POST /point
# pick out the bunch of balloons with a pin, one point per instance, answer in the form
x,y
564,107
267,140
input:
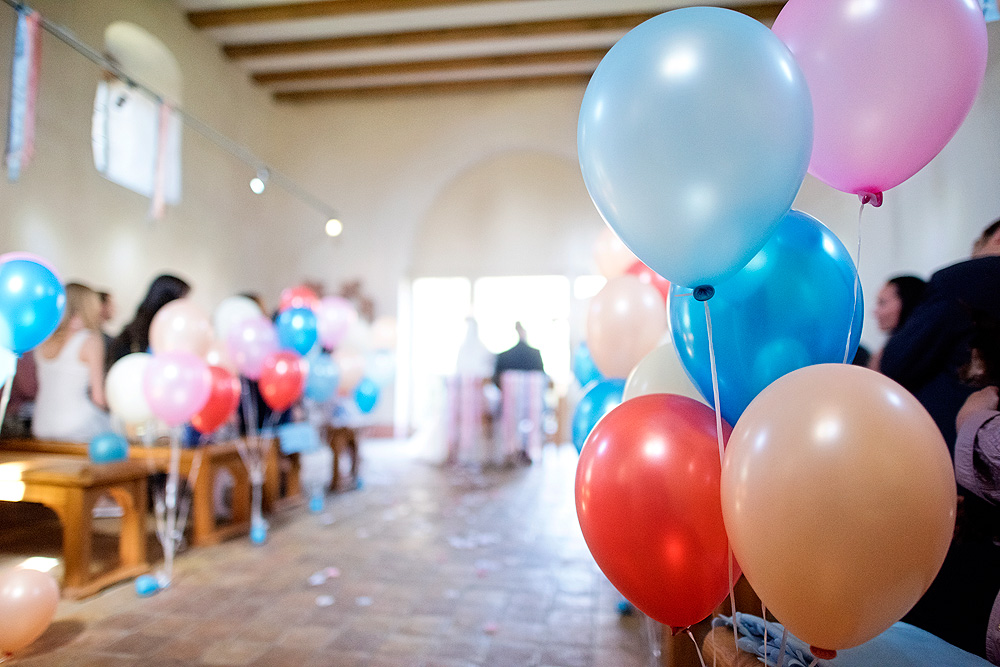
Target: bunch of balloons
x,y
694,136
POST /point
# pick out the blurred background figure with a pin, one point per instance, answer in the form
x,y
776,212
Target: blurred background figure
x,y
896,300
520,374
70,402
470,405
17,420
134,337
521,357
108,312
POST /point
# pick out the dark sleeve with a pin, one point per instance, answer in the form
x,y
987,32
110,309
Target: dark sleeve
x,y
924,345
119,346
25,384
977,455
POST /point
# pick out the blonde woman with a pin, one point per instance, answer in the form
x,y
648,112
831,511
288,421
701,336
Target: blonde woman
x,y
70,366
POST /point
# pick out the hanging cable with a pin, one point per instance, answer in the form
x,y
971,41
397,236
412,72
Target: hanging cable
x,y
236,149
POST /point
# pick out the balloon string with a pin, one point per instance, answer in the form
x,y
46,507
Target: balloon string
x,y
814,662
696,648
653,639
857,279
722,454
763,616
5,398
784,644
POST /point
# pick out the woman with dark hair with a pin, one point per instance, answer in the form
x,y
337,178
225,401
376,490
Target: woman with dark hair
x,y
135,336
896,300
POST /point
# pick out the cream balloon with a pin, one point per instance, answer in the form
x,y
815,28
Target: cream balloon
x,y
28,601
660,372
383,333
123,389
839,499
351,364
613,257
232,311
625,321
180,326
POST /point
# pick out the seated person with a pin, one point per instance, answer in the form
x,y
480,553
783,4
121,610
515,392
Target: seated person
x,y
70,372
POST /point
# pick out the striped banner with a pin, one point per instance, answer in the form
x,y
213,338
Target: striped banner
x,y
522,405
466,411
23,93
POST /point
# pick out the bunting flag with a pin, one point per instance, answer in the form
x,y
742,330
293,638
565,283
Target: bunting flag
x,y
23,92
158,204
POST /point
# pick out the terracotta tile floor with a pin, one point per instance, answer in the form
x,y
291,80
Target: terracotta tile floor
x,y
436,567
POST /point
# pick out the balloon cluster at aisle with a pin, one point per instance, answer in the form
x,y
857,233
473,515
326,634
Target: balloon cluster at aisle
x,y
695,134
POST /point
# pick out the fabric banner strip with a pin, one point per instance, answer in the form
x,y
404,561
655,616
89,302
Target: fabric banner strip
x,y
158,205
23,93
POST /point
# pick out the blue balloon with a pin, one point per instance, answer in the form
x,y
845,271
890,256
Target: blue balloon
x,y
146,585
258,533
597,402
584,369
366,395
792,306
297,329
694,136
107,447
32,301
323,378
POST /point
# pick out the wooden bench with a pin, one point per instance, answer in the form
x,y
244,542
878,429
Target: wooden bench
x,y
70,486
206,529
343,440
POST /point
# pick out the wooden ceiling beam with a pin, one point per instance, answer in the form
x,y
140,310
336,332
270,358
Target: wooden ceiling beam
x,y
219,18
551,28
582,56
436,88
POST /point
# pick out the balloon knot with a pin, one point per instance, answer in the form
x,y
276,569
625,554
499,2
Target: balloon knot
x,y
704,292
823,653
873,198
674,631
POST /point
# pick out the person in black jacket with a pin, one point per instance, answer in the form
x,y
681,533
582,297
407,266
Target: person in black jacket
x,y
926,353
521,357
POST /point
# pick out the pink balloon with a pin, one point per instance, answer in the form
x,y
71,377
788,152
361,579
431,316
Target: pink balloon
x,y
177,385
334,317
249,343
891,81
180,325
28,600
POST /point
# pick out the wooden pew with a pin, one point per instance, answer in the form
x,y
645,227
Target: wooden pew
x,y
70,486
343,440
205,528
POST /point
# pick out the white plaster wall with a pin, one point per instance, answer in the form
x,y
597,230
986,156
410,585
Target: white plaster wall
x,y
98,232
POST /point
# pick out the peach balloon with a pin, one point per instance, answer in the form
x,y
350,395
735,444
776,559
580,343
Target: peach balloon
x,y
612,256
625,321
181,325
839,499
351,364
28,600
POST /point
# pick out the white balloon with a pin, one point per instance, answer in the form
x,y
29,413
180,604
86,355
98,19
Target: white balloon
x,y
660,372
124,391
231,312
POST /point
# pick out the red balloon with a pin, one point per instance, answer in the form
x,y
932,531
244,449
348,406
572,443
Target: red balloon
x,y
648,501
650,277
223,398
282,379
298,297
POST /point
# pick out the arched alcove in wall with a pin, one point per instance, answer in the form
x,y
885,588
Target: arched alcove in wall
x,y
516,213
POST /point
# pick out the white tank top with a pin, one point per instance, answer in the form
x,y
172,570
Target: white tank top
x,y
63,409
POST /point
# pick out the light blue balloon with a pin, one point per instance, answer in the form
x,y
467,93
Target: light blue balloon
x,y
297,329
146,585
32,301
258,533
694,136
584,369
366,395
323,378
597,402
107,447
792,306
